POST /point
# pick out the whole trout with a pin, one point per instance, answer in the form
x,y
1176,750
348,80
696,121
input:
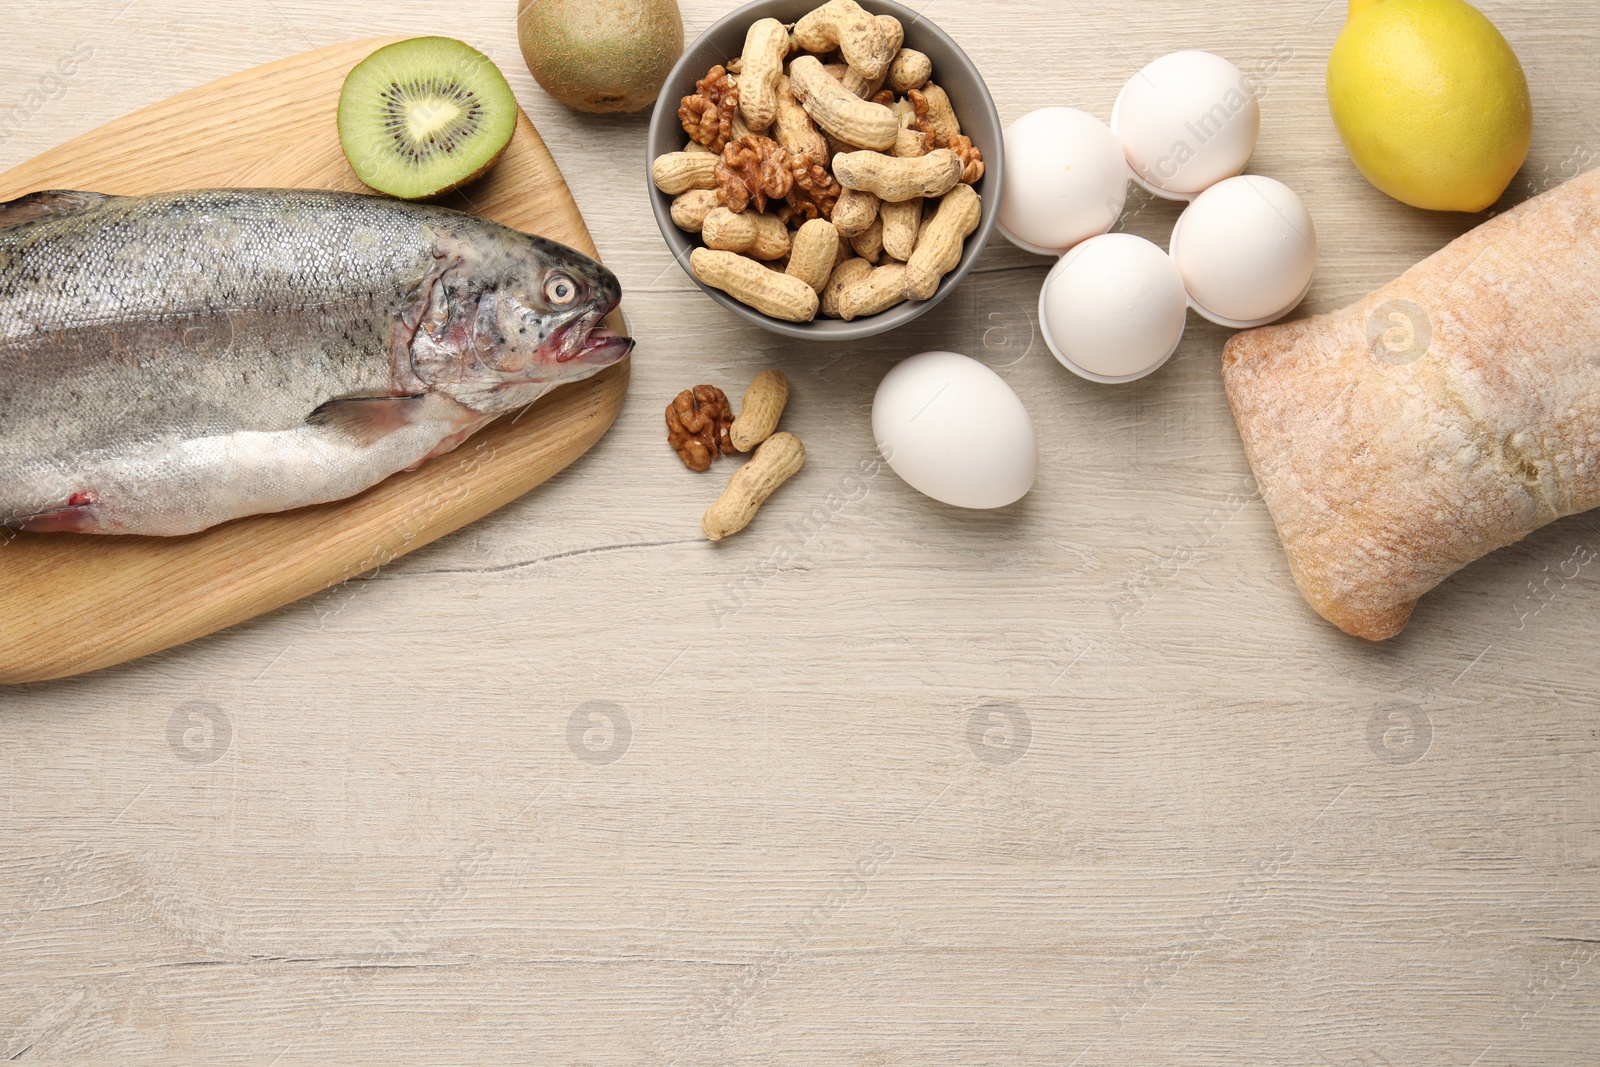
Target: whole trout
x,y
171,362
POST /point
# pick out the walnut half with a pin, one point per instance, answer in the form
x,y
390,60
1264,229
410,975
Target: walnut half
x,y
707,116
698,426
971,158
753,168
814,192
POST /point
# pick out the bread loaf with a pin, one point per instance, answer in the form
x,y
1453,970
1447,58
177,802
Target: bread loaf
x,y
1450,413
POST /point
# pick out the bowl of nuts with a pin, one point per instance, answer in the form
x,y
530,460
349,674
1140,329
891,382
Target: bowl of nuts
x,y
826,172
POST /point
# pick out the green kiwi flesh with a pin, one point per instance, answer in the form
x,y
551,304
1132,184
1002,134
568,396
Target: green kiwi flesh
x,y
421,117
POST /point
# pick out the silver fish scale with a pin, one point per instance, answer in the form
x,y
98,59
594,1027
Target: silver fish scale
x,y
174,361
213,250
274,306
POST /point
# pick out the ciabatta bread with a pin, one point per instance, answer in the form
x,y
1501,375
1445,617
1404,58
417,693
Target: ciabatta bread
x,y
1450,413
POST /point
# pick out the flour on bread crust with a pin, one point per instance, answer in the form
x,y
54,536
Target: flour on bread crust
x,y
1450,413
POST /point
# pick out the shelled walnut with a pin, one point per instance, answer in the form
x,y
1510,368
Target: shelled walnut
x,y
971,158
707,116
753,169
814,193
699,422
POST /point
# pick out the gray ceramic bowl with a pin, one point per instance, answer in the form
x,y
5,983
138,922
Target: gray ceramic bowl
x,y
952,70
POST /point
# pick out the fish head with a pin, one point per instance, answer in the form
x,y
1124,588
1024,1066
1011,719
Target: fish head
x,y
504,317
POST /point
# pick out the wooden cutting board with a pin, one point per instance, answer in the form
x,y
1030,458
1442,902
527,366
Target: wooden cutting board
x,y
71,603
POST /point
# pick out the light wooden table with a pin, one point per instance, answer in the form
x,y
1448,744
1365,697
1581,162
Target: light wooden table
x,y
1080,782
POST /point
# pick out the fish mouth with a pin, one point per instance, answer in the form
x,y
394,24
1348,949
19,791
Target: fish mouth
x,y
603,348
586,341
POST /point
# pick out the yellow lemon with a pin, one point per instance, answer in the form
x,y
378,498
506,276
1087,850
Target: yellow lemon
x,y
1430,102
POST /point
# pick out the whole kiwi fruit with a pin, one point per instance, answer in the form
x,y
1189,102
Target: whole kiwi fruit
x,y
600,55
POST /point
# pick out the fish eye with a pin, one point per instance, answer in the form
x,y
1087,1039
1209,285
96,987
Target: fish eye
x,y
560,289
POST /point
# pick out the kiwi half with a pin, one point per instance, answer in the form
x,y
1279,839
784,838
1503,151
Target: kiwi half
x,y
422,117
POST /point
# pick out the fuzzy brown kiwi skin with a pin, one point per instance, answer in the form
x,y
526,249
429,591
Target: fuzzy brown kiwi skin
x,y
600,56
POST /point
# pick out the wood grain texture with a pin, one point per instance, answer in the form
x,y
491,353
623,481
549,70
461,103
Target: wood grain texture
x,y
378,824
74,604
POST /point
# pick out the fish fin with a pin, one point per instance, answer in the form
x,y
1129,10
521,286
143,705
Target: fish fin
x,y
47,204
64,520
367,420
79,514
451,443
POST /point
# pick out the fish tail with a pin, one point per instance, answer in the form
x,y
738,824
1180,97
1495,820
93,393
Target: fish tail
x,y
51,203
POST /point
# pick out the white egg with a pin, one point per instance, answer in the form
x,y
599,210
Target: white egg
x,y
1187,121
1066,180
955,431
1113,309
1246,249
